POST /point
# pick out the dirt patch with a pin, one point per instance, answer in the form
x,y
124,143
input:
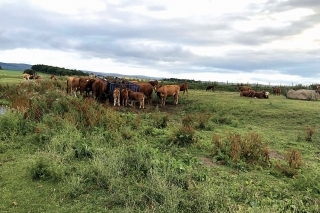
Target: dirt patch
x,y
275,155
168,108
207,161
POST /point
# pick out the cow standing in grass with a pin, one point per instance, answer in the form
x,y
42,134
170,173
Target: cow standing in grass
x,y
276,90
184,87
124,96
116,96
168,90
136,96
210,87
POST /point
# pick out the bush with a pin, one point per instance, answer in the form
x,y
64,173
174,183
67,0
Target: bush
x,y
235,149
47,170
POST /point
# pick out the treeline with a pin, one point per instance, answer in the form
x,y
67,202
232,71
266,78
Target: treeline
x,y
180,80
54,70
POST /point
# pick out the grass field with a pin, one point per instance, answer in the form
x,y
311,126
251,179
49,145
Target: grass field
x,y
213,152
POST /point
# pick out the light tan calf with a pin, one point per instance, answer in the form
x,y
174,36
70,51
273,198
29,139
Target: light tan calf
x,y
138,96
116,96
26,76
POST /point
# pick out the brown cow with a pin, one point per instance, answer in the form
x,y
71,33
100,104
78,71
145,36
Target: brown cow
x,y
261,94
124,96
26,76
85,85
249,93
116,96
146,89
99,87
69,84
168,90
184,87
138,96
244,88
276,90
75,85
210,87
53,77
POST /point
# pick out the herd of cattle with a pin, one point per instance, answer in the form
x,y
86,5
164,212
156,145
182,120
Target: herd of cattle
x,y
247,91
123,91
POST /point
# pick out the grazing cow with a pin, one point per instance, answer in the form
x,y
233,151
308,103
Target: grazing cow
x,y
138,96
116,96
244,88
276,90
210,87
168,90
261,94
124,96
53,77
249,93
26,76
184,87
99,88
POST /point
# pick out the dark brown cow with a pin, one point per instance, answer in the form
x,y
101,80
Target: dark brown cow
x,y
276,90
249,93
210,87
85,85
244,88
184,87
124,96
261,94
168,90
99,88
136,96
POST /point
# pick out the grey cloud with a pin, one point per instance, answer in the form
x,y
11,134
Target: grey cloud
x,y
117,34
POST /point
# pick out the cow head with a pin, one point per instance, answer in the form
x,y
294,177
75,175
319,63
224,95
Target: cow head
x,y
157,87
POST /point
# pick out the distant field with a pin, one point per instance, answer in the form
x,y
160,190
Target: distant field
x,y
13,77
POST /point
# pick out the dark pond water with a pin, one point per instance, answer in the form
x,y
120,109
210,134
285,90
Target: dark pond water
x,y
3,109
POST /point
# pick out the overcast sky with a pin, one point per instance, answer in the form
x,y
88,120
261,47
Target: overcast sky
x,y
238,41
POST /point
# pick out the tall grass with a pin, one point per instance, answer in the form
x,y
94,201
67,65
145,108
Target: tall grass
x,y
226,153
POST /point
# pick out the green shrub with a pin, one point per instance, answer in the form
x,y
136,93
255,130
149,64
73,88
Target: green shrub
x,y
47,170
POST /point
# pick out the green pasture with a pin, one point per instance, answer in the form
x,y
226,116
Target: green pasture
x,y
213,152
14,77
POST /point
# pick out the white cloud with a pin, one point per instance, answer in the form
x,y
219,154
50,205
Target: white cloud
x,y
240,41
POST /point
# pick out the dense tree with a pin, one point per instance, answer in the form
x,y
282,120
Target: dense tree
x,y
29,71
0,67
57,70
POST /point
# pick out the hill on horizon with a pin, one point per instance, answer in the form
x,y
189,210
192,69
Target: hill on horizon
x,y
15,66
22,67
